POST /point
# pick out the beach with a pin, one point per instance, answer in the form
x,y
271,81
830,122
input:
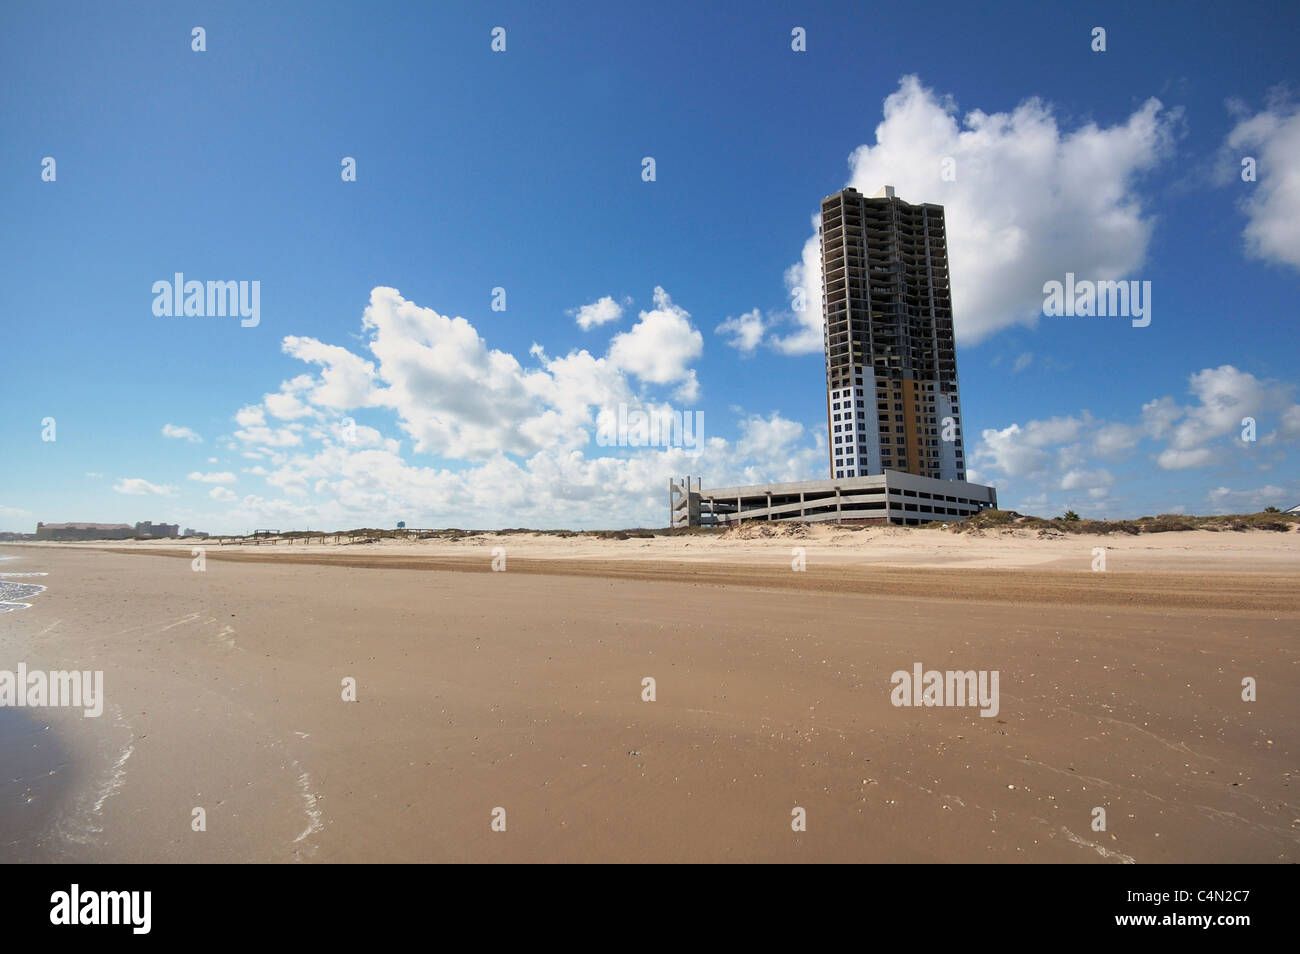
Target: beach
x,y
516,698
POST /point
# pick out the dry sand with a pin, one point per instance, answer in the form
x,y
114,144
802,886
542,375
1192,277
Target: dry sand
x,y
523,690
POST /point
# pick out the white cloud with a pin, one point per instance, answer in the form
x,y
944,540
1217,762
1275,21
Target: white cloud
x,y
598,312
1090,480
225,477
1022,361
221,494
661,346
1272,205
286,407
473,406
346,381
1008,450
138,486
181,433
767,438
1173,459
1226,396
269,437
250,416
1030,201
93,474
1228,500
1043,459
15,516
1114,440
746,331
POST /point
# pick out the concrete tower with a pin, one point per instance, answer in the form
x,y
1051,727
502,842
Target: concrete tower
x,y
891,368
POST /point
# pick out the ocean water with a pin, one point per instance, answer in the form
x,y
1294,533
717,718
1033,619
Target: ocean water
x,y
14,593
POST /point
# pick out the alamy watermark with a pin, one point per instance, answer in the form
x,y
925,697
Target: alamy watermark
x,y
948,688
128,908
179,298
39,689
657,427
1085,299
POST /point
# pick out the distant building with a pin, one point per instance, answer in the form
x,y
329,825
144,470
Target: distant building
x,y
84,531
1295,509
148,529
104,531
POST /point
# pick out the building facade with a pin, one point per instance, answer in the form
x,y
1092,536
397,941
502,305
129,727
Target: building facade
x,y
891,497
84,531
104,531
892,401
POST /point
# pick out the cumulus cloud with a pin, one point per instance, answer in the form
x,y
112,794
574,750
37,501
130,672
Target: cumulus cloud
x,y
1173,459
1272,206
1064,455
661,346
1030,200
138,486
501,441
744,331
1087,480
270,436
250,416
286,406
599,312
1225,397
346,380
1252,500
181,433
224,477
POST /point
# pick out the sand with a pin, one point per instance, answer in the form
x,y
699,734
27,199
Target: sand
x,y
522,690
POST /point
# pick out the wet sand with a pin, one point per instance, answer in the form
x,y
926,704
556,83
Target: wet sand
x,y
523,690
33,783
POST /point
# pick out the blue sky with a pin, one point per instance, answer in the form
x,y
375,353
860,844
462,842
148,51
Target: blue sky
x,y
522,170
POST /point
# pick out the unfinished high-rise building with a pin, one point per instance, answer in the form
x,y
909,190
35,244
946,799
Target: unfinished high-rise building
x,y
891,367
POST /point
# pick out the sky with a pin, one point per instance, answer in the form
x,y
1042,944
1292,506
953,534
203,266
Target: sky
x,y
465,264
